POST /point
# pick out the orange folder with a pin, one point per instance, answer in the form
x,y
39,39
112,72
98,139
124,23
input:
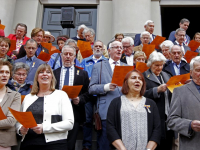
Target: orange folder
x,y
193,45
177,81
120,73
2,115
72,91
79,67
189,55
142,67
25,118
47,45
157,41
2,27
54,51
22,98
85,48
44,56
13,45
148,49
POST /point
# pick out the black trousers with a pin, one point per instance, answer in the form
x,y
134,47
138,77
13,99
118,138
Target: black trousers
x,y
72,135
166,144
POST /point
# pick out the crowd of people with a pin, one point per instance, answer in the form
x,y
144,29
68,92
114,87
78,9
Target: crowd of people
x,y
142,114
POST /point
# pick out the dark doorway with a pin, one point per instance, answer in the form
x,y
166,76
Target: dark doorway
x,y
171,17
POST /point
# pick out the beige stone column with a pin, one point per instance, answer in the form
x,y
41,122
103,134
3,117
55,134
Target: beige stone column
x,y
7,9
129,16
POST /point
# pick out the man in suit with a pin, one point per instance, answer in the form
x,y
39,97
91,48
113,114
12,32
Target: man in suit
x,y
145,38
180,35
176,66
184,110
127,56
148,26
30,59
36,34
184,24
79,35
70,75
100,85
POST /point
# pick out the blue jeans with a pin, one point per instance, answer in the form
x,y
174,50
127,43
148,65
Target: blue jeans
x,y
88,125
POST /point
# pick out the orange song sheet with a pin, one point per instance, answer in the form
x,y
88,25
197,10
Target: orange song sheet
x,y
142,67
85,48
13,45
157,41
44,56
177,81
120,73
72,91
148,49
2,27
25,118
189,55
47,45
54,51
193,45
2,115
22,98
79,67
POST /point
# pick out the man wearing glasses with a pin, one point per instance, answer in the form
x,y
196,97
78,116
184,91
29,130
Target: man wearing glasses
x,y
100,85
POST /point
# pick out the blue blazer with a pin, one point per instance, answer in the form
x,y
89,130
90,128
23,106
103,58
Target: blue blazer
x,y
173,39
23,90
33,68
137,40
96,87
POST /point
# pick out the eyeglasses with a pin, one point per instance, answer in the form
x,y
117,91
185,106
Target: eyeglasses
x,y
117,47
18,74
33,48
181,35
125,47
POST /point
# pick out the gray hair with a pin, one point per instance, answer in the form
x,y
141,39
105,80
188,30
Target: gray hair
x,y
178,30
175,46
195,59
30,41
88,30
20,65
81,26
68,46
167,43
70,41
99,41
155,56
184,20
111,44
147,22
128,39
145,33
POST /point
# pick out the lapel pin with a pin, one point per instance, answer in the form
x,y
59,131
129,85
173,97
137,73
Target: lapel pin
x,y
33,64
147,107
77,72
148,76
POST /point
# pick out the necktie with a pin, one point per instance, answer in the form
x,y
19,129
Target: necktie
x,y
185,41
66,82
29,61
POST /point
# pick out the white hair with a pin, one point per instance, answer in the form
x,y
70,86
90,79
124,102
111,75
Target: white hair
x,y
128,39
195,59
88,30
155,56
68,46
111,44
147,22
81,26
145,33
175,46
70,41
167,43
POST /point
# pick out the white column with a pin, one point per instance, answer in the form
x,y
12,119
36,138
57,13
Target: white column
x,y
129,16
7,9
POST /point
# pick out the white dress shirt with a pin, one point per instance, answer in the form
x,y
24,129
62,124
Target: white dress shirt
x,y
112,63
129,60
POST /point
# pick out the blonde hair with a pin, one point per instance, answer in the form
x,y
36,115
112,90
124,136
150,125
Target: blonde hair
x,y
36,87
35,32
138,54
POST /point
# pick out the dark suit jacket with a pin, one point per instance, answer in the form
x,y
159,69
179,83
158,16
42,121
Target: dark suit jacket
x,y
33,68
186,48
168,68
151,91
137,40
76,39
114,121
80,78
11,99
22,52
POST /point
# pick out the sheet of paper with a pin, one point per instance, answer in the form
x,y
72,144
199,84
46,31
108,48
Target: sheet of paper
x,y
85,48
142,67
47,45
25,118
120,73
44,56
157,41
193,45
54,51
72,91
189,55
2,27
2,115
79,67
13,45
148,49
